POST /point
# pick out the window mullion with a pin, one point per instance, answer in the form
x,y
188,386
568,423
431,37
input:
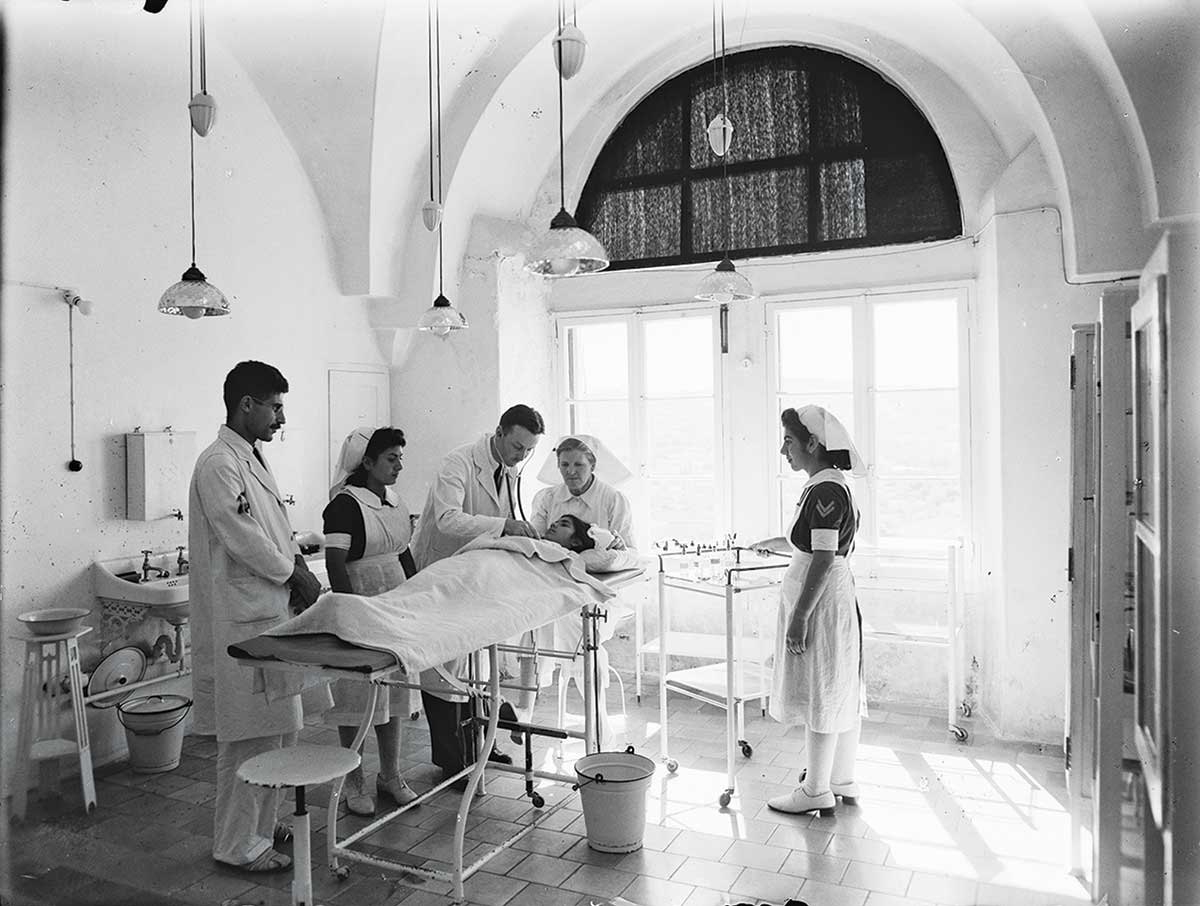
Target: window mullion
x,y
864,411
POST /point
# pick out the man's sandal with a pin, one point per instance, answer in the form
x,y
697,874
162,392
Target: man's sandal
x,y
269,861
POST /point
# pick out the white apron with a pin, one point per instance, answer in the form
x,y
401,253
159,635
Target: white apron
x,y
388,532
821,689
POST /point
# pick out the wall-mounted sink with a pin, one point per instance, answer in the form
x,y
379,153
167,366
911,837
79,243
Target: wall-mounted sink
x,y
123,579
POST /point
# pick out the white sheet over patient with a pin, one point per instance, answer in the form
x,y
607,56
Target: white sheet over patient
x,y
491,590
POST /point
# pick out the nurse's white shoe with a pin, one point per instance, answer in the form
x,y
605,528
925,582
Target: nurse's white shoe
x,y
847,792
798,802
358,800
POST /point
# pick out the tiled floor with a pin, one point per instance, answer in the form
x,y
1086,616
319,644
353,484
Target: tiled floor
x,y
938,823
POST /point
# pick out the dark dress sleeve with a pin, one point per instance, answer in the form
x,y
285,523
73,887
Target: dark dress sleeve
x,y
344,527
826,506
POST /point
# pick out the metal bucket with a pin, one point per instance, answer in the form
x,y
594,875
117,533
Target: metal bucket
x,y
613,787
154,731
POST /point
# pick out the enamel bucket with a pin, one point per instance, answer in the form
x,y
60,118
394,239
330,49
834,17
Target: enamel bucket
x,y
154,730
613,787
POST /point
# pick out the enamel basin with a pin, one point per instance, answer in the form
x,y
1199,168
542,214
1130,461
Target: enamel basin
x,y
120,579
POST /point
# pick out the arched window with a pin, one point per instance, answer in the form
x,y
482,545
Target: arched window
x,y
826,154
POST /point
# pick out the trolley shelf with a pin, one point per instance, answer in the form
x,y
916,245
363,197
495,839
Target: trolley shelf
x,y
707,683
707,645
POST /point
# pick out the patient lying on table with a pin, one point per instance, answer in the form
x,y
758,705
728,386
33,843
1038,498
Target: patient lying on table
x,y
593,544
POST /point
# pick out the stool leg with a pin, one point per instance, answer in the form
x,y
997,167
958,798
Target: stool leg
x,y
301,854
30,694
83,740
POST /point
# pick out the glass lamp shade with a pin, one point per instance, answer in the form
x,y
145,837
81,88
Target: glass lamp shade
x,y
431,214
203,110
725,284
720,134
566,250
441,318
193,297
569,47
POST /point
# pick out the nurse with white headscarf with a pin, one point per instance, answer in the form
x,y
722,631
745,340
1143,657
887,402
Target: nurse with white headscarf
x,y
367,535
817,680
576,489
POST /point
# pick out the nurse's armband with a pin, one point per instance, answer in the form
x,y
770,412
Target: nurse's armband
x,y
825,539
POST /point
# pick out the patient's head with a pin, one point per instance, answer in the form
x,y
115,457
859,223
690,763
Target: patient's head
x,y
571,532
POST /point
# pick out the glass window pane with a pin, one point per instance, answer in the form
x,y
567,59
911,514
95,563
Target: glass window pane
x,y
597,361
607,421
1145,408
683,508
768,106
770,208
1146,647
917,433
679,357
916,344
843,200
637,223
919,508
816,352
680,439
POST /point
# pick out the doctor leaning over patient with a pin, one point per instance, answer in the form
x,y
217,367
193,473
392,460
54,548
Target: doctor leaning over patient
x,y
476,492
245,568
817,679
367,531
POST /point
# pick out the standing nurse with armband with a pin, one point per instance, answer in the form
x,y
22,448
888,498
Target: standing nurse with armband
x,y
818,678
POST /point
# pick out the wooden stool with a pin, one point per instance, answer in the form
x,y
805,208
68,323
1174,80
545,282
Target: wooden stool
x,y
297,766
41,690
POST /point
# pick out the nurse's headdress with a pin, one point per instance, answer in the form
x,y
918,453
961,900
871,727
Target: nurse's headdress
x,y
831,434
353,448
605,464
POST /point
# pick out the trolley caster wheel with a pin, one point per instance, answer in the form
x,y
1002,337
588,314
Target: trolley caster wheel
x,y
342,872
91,808
747,749
672,765
537,800
725,799
959,733
965,708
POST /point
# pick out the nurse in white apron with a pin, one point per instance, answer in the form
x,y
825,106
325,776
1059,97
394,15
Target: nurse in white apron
x,y
817,679
367,533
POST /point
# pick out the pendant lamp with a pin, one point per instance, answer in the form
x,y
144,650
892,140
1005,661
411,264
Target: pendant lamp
x,y
724,284
565,249
193,296
441,318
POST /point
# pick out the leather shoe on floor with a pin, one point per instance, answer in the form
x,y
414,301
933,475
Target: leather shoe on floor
x,y
499,757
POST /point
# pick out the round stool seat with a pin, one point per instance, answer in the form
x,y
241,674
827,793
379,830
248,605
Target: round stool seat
x,y
298,766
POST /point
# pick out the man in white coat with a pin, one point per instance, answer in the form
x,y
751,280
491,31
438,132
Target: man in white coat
x,y
244,568
477,492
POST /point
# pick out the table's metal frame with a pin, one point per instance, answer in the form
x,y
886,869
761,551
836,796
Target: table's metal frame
x,y
338,850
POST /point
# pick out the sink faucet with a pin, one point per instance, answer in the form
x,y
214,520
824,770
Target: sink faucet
x,y
181,563
147,569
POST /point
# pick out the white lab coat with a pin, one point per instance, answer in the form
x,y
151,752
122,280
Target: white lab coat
x,y
240,562
463,503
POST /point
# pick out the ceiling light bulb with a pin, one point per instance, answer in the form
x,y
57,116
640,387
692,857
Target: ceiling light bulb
x,y
569,47
720,134
203,110
195,312
431,214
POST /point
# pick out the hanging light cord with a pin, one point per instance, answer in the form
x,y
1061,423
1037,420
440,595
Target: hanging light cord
x,y
191,131
562,179
71,370
437,43
725,156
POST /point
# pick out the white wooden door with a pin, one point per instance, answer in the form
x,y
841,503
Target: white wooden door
x,y
359,397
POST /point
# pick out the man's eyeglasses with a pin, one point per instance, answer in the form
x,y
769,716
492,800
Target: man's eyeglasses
x,y
277,407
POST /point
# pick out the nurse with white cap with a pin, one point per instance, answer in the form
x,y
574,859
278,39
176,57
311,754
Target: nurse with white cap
x,y
817,680
576,489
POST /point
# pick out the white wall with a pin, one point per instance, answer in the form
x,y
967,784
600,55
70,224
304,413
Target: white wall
x,y
96,197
